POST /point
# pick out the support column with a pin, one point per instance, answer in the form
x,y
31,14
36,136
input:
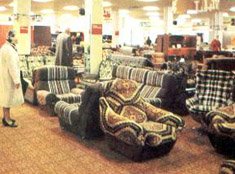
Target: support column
x,y
93,37
216,24
22,25
115,21
168,19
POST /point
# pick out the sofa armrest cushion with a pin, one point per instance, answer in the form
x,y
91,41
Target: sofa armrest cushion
x,y
46,98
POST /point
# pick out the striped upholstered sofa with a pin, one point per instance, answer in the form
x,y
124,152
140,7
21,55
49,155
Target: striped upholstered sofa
x,y
54,83
134,127
162,89
214,89
82,118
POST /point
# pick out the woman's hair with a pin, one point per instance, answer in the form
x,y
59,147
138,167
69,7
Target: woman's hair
x,y
10,35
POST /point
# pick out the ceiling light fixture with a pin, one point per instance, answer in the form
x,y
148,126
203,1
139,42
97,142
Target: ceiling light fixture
x,y
191,12
107,4
153,14
150,8
232,9
71,8
43,1
3,8
11,4
47,11
148,0
225,14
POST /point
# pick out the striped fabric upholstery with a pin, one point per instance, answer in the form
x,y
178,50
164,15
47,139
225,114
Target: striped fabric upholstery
x,y
214,89
150,91
123,72
58,82
70,97
155,78
67,112
59,86
139,75
158,87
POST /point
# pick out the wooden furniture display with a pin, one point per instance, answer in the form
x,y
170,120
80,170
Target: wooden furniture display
x,y
179,45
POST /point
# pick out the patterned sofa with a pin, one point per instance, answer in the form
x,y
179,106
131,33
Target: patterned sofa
x,y
228,167
221,129
162,89
134,127
54,83
82,118
214,89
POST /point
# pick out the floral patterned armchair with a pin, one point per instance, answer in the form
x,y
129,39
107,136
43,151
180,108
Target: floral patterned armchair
x,y
134,127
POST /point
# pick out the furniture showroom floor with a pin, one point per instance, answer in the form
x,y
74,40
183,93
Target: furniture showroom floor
x,y
38,145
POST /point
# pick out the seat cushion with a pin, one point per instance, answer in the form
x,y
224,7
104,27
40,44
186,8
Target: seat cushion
x,y
69,98
158,133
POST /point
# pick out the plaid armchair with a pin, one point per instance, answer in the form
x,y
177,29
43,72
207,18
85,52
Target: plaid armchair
x,y
134,127
54,83
214,89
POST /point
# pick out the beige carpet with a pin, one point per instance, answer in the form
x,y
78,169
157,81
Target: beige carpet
x,y
38,145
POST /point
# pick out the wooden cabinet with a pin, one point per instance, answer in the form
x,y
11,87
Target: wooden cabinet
x,y
179,45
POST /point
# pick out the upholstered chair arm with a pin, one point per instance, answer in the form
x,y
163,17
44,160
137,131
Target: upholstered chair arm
x,y
162,116
118,126
220,123
46,98
77,91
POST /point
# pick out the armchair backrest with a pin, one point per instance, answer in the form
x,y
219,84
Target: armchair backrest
x,y
214,87
55,79
123,98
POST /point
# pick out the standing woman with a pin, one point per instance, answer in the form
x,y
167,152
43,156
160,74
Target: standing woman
x,y
10,85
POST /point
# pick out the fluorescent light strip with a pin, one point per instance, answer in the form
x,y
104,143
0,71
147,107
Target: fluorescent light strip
x,y
150,8
43,1
107,4
71,8
3,8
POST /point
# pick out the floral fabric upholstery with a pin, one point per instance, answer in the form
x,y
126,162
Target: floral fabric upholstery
x,y
59,84
214,89
127,117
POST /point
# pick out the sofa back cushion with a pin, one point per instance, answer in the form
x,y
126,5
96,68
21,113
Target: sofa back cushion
x,y
138,75
56,79
214,87
123,72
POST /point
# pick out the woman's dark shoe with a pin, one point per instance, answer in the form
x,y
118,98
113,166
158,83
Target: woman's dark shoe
x,y
9,123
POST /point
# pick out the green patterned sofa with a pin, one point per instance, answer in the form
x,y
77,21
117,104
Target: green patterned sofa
x,y
160,88
134,127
